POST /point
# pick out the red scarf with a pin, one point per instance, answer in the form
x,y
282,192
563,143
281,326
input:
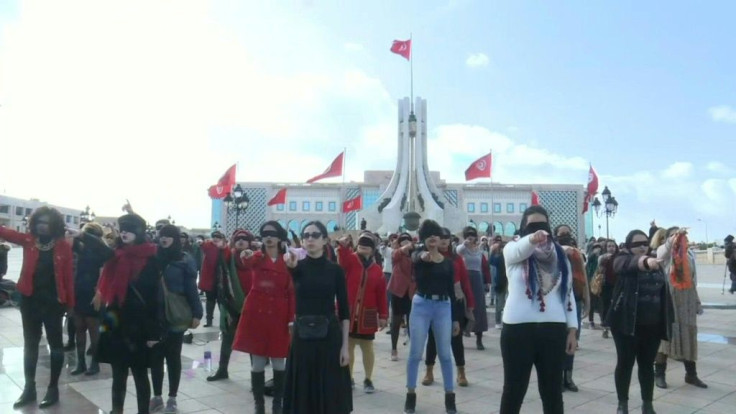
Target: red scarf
x,y
122,269
680,273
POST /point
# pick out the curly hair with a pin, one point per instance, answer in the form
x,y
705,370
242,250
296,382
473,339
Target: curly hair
x,y
57,228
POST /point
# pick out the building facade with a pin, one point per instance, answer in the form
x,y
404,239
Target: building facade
x,y
14,210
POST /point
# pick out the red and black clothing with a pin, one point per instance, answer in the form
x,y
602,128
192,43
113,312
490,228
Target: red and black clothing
x,y
366,293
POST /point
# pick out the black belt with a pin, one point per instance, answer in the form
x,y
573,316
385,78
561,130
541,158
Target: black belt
x,y
434,297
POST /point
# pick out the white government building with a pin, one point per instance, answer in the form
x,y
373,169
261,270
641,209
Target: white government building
x,y
412,187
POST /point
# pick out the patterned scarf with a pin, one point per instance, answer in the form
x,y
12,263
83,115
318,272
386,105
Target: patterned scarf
x,y
680,273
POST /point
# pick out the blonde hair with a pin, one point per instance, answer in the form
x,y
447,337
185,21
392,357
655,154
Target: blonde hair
x,y
658,238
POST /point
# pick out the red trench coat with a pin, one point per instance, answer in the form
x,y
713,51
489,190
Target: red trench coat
x,y
263,328
365,310
402,280
209,263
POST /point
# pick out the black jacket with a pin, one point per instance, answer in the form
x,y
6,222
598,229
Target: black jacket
x,y
624,300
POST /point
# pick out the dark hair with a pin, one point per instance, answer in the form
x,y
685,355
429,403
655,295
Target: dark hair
x,y
447,233
605,244
57,228
469,231
320,226
283,235
429,228
630,237
528,212
558,227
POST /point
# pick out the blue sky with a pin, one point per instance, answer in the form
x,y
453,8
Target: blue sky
x,y
642,90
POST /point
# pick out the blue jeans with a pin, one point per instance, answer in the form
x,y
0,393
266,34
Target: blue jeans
x,y
426,313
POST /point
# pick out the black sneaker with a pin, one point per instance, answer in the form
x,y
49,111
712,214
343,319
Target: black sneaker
x,y
410,404
368,387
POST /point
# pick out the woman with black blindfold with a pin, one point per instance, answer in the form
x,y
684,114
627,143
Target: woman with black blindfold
x,y
263,328
401,287
540,322
639,317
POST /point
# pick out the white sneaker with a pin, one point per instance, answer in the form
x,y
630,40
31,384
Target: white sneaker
x,y
156,404
171,407
499,326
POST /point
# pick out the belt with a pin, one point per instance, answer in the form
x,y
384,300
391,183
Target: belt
x,y
434,297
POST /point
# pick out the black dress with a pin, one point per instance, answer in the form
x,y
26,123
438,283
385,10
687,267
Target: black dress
x,y
315,382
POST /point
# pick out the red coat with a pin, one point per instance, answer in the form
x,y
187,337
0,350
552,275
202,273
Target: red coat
x,y
402,277
370,306
461,276
63,265
210,252
263,328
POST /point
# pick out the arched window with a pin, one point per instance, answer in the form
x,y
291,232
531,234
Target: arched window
x,y
483,227
472,224
510,229
304,224
282,223
498,228
331,226
294,226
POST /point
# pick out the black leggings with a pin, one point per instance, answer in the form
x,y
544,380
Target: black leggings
x,y
533,344
119,382
642,349
211,296
169,349
400,307
35,318
458,350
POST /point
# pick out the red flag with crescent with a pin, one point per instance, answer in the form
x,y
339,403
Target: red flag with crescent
x,y
334,170
224,185
535,198
402,47
480,168
354,204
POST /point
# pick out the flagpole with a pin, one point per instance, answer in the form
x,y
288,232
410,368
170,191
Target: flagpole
x,y
411,72
493,224
341,218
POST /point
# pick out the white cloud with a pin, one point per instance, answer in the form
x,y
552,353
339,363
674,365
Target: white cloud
x,y
477,60
718,167
678,170
723,113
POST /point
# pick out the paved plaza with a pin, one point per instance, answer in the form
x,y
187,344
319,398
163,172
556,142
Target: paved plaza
x,y
594,365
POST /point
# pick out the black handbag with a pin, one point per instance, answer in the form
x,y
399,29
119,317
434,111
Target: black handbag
x,y
312,326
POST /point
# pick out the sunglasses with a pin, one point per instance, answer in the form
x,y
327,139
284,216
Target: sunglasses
x,y
639,244
314,235
241,238
270,233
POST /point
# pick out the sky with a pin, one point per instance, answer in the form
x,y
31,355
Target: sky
x,y
152,101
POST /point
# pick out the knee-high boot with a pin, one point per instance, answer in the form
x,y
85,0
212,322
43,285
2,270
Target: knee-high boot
x,y
278,391
258,380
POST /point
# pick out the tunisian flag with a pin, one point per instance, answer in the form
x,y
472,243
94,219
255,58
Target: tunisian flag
x,y
334,170
480,168
354,204
224,184
279,198
402,47
535,198
592,188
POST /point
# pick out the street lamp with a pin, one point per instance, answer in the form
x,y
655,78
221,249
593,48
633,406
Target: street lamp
x,y
216,227
25,224
236,200
706,231
86,216
609,204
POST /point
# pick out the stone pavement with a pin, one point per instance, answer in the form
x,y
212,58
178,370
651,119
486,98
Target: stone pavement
x,y
594,366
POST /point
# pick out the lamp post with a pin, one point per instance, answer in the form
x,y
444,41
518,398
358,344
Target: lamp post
x,y
25,224
236,200
86,216
706,232
610,206
216,227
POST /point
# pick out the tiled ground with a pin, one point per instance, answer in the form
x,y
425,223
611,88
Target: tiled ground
x,y
594,366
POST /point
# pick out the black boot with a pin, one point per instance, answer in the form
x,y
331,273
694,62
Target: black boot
x,y
208,324
647,407
278,391
220,374
258,380
450,403
479,342
70,346
51,397
94,367
28,396
691,375
623,407
81,363
659,375
410,405
567,381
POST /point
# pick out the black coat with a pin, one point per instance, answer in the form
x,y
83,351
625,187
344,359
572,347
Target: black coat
x,y
91,253
126,328
624,300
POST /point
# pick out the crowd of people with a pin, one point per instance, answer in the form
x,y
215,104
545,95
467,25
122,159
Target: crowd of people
x,y
302,304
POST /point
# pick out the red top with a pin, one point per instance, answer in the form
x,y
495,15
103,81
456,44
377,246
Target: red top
x,y
263,328
210,252
63,264
370,306
402,277
461,276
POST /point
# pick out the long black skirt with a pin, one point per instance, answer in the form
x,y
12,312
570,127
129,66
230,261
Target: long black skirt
x,y
315,382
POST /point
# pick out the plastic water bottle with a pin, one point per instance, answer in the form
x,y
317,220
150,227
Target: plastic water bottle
x,y
208,359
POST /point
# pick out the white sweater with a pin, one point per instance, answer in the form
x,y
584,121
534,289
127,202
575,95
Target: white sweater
x,y
519,308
